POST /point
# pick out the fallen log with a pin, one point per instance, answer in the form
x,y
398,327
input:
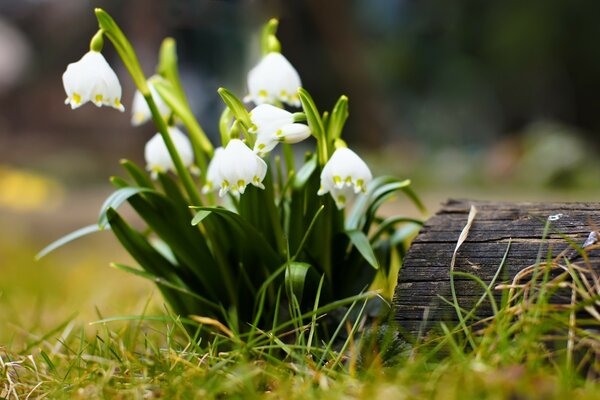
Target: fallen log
x,y
503,240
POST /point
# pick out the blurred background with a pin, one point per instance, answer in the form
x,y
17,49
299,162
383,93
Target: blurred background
x,y
472,99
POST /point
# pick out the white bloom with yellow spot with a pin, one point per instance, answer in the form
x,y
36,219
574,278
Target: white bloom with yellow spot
x,y
92,79
157,155
237,166
140,112
273,125
344,176
274,79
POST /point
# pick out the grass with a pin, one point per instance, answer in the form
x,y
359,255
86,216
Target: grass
x,y
531,349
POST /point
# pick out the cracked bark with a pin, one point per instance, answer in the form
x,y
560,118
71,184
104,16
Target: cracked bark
x,y
424,280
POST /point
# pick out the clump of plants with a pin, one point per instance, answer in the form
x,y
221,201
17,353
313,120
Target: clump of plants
x,y
244,234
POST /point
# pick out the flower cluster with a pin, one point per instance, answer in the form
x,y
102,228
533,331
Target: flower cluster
x,y
271,83
276,224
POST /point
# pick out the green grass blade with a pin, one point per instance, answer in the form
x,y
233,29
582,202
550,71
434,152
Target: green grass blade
x,y
86,230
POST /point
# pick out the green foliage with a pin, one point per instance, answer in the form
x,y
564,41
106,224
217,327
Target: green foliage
x,y
274,253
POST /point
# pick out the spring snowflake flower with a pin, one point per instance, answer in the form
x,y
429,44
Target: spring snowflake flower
x,y
344,176
140,112
273,125
92,79
237,166
157,155
274,79
212,173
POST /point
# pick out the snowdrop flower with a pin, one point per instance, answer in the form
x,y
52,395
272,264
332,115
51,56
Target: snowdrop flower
x,y
237,166
273,79
273,125
212,173
344,176
92,79
157,155
140,112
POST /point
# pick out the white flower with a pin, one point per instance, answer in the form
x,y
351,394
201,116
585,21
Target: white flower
x,y
273,79
140,112
157,155
273,125
237,167
344,176
92,79
212,174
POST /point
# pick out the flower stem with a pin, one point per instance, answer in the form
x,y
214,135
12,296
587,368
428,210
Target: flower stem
x,y
182,171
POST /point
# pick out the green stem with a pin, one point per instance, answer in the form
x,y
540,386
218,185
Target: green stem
x,y
182,171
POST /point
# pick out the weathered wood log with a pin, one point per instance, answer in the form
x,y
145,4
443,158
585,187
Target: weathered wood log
x,y
425,275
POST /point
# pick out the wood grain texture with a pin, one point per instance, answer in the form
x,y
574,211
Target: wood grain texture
x,y
425,275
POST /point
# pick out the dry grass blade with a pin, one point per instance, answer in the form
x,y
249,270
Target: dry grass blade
x,y
214,323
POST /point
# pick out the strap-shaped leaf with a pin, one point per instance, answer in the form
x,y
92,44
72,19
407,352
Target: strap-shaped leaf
x,y
236,106
117,198
199,217
86,230
150,259
388,223
296,274
312,115
163,282
249,237
305,172
377,189
169,93
137,174
337,119
362,244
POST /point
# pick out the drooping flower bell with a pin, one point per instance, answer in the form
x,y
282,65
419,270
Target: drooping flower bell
x,y
274,79
157,155
273,125
92,79
344,176
140,112
237,166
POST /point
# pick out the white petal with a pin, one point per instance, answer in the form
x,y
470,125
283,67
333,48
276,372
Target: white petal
x,y
92,79
239,166
213,178
157,155
344,176
140,112
293,133
274,79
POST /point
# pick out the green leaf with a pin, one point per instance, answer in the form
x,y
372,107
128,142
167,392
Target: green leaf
x,y
246,231
200,215
86,230
149,258
295,279
161,281
117,198
390,222
179,105
137,174
167,64
378,190
361,242
316,125
338,118
236,106
312,114
305,172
